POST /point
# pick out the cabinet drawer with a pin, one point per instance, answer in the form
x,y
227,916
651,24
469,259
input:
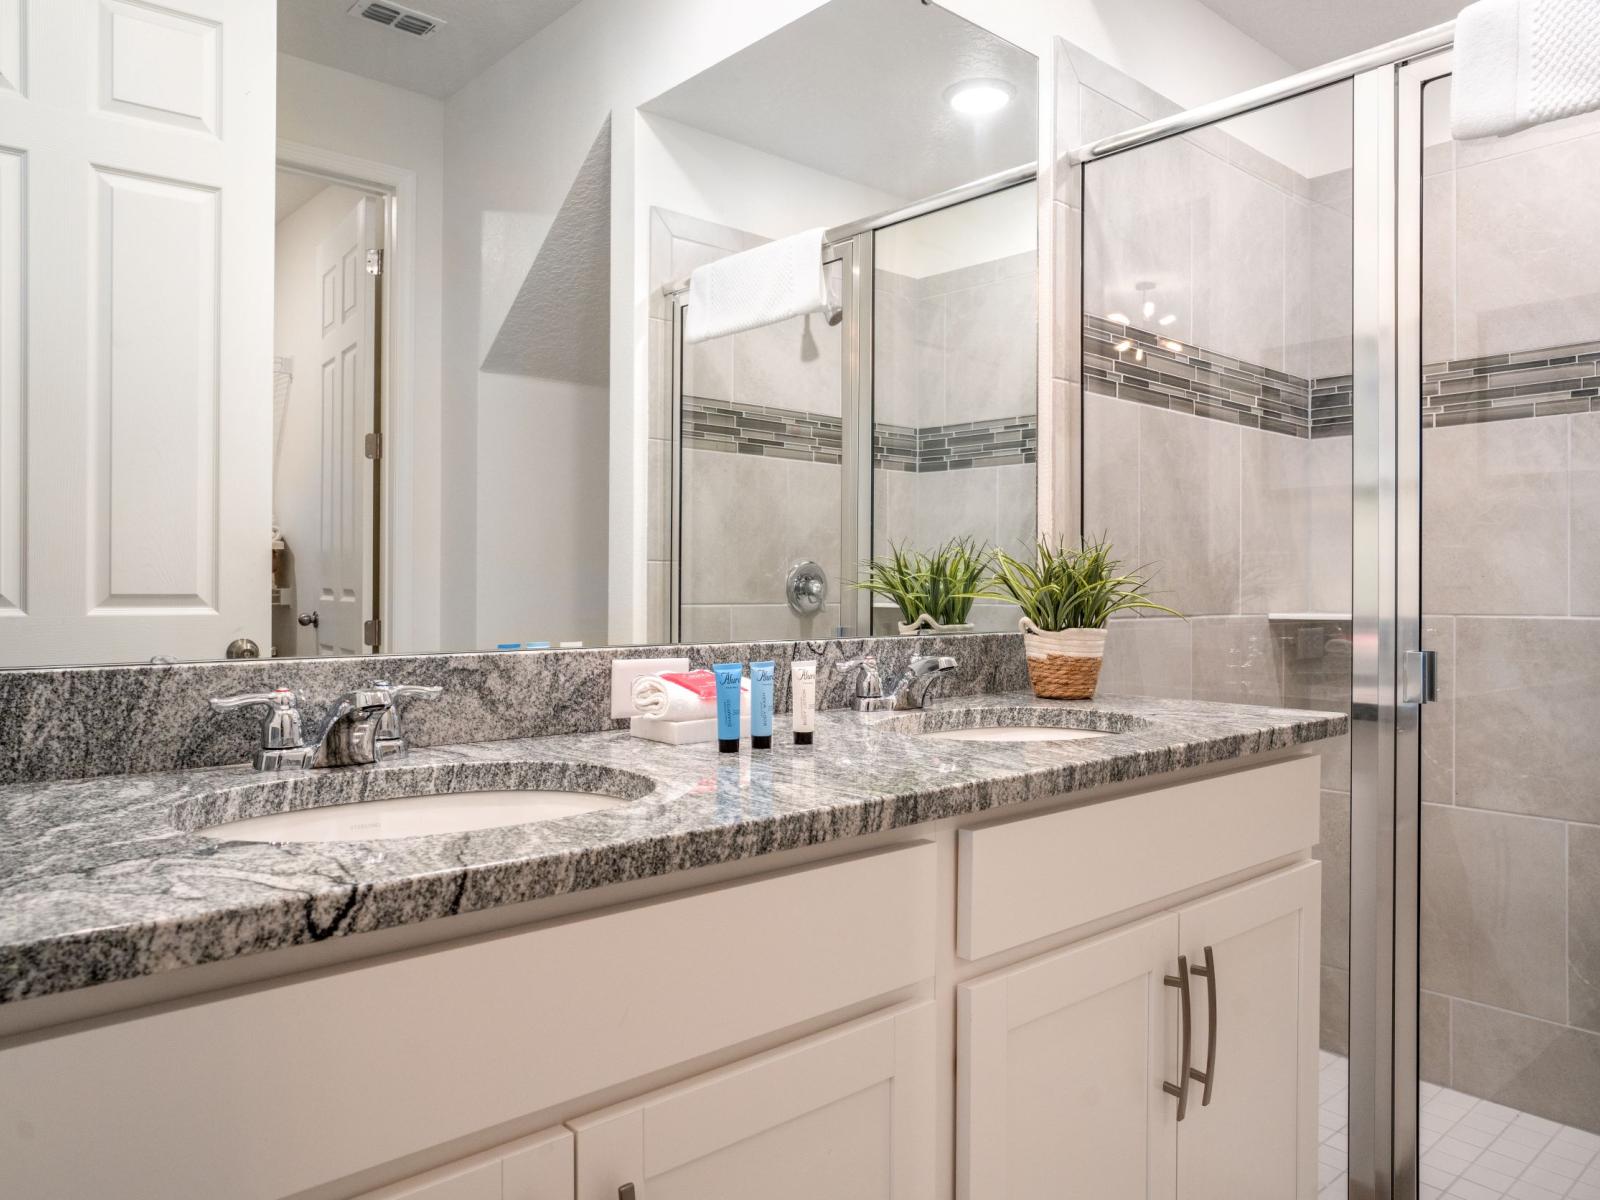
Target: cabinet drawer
x,y
388,1059
1030,877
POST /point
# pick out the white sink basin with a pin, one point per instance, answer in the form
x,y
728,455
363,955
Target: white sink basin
x,y
1014,733
410,816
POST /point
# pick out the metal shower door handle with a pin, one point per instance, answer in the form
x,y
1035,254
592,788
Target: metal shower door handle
x,y
1185,1042
1209,1075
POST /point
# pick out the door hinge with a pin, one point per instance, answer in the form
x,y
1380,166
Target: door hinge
x,y
1420,684
372,632
374,445
374,262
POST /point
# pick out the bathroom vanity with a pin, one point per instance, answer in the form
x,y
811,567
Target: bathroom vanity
x,y
998,948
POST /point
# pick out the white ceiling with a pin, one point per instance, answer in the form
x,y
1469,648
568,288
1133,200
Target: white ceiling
x,y
1309,33
856,88
476,34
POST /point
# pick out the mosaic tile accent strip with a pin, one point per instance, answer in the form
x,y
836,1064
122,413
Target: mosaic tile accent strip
x,y
810,437
1191,379
995,443
769,432
1332,398
1533,383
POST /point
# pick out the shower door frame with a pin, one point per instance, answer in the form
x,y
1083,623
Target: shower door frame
x,y
1387,685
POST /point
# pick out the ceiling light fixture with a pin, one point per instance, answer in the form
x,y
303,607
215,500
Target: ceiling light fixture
x,y
1117,318
979,97
1167,320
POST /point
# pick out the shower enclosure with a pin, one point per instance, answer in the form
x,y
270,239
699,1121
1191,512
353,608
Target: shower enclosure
x,y
796,450
1337,374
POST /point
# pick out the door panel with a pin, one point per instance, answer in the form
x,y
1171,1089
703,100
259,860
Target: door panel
x,y
846,1114
135,338
344,585
1257,1136
1060,1067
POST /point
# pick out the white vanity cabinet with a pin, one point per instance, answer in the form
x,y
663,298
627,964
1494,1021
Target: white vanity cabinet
x,y
1066,1062
981,1007
847,1114
533,1168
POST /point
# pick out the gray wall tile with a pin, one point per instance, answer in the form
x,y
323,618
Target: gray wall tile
x,y
1526,694
1275,511
1439,718
1147,656
1494,909
1552,1071
1583,926
991,364
1334,1015
1585,527
1495,518
1333,849
1234,659
1189,510
1111,473
1435,1038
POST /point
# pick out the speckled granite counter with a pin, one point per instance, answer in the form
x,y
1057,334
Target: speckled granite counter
x,y
101,879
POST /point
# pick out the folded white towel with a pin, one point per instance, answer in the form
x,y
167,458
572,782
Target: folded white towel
x,y
1520,63
763,286
667,700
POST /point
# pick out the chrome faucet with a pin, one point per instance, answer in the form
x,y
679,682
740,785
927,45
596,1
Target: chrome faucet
x,y
907,690
363,727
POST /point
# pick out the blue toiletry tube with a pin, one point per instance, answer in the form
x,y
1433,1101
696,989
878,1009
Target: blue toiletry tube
x,y
730,678
761,706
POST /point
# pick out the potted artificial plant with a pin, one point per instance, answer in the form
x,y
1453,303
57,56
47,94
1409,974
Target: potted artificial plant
x,y
934,592
1067,596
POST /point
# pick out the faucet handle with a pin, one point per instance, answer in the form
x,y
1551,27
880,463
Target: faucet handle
x,y
870,685
282,728
389,723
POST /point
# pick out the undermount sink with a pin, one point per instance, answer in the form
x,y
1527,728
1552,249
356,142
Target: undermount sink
x,y
1014,733
1013,723
410,816
403,802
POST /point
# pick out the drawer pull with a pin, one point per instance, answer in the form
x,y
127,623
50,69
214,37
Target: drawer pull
x,y
1209,1075
1181,1088
625,1192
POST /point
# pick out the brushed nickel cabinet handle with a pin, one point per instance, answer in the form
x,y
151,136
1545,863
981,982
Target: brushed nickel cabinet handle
x,y
1209,1075
1181,1088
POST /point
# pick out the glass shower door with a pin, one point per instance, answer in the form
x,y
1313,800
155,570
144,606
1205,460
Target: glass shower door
x,y
1509,768
761,481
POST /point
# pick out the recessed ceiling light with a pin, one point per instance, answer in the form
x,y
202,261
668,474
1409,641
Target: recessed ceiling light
x,y
978,97
1117,318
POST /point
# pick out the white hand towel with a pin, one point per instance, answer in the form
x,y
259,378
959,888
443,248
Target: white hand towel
x,y
1520,63
763,286
667,700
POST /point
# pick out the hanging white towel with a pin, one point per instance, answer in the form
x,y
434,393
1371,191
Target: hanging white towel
x,y
1520,63
763,286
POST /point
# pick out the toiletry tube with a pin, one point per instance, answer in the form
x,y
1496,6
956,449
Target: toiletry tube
x,y
729,690
761,705
803,700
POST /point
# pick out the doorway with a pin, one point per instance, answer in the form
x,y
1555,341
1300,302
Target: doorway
x,y
327,496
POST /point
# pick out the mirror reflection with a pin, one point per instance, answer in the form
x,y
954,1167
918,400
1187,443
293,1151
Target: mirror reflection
x,y
406,359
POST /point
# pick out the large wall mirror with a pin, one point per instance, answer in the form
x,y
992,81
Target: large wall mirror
x,y
360,328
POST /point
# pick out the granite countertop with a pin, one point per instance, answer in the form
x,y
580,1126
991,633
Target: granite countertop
x,y
101,880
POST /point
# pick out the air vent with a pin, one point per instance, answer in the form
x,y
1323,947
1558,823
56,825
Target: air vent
x,y
406,20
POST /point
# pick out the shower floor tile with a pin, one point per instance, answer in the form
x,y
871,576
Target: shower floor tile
x,y
1471,1149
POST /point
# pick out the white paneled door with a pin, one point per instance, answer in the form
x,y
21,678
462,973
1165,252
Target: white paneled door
x,y
343,586
136,235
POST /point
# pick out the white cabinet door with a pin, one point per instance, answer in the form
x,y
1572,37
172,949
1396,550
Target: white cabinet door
x,y
1060,1065
343,585
535,1168
847,1114
1257,1136
136,168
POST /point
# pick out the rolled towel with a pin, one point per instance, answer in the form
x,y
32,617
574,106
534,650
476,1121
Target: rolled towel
x,y
688,696
1520,63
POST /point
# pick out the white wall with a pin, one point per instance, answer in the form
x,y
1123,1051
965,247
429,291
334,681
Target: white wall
x,y
542,511
297,334
690,171
333,110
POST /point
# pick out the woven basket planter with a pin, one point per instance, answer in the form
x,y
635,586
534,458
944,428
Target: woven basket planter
x,y
1065,664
